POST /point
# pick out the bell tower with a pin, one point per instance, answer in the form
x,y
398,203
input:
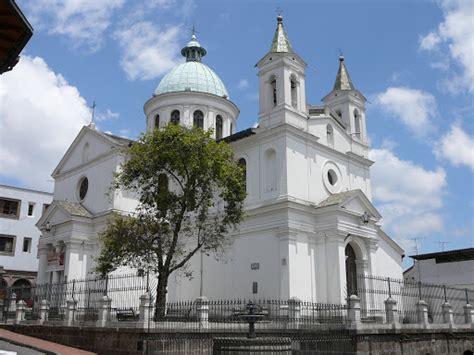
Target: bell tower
x,y
348,104
282,83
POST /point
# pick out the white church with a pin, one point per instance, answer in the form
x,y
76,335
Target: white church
x,y
310,225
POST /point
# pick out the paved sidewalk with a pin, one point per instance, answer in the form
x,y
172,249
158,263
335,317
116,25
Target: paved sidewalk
x,y
39,344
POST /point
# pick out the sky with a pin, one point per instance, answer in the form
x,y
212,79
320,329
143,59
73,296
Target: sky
x,y
413,60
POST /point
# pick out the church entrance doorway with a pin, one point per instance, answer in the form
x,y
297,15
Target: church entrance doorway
x,y
351,271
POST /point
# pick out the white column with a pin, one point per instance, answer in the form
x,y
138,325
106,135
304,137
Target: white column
x,y
42,277
335,269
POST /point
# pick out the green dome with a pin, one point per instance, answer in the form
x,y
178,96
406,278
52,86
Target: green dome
x,y
192,76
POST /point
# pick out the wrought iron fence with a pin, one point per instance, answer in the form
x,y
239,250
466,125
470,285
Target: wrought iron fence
x,y
373,291
85,299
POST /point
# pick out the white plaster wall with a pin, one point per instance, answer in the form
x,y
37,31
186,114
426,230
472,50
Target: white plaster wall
x,y
99,197
23,227
458,274
388,262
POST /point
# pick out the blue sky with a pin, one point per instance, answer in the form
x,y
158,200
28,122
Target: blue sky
x,y
411,59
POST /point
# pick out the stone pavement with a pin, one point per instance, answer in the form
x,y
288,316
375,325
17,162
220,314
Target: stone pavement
x,y
30,345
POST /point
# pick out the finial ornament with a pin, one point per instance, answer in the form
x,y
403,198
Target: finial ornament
x,y
92,123
341,56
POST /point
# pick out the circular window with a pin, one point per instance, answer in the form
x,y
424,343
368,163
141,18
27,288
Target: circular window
x,y
83,187
332,177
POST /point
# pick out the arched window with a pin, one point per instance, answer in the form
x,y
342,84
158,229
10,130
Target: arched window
x,y
231,128
273,84
294,94
270,170
357,132
330,135
175,117
22,289
243,164
219,127
351,271
157,121
162,183
198,119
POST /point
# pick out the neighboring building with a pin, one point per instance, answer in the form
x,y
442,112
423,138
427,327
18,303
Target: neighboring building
x,y
451,268
20,209
310,225
15,32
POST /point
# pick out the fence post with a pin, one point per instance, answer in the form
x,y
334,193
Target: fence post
x,y
20,311
422,312
202,306
294,310
391,311
353,312
448,317
43,312
71,311
146,309
104,311
12,305
468,314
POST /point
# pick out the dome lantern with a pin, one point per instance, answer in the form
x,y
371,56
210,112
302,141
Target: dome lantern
x,y
193,52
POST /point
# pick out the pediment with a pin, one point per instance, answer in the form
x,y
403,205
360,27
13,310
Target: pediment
x,y
88,145
62,211
353,201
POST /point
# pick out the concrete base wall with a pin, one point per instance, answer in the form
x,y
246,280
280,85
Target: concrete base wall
x,y
117,341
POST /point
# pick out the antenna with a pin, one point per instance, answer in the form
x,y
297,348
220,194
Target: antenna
x,y
417,263
279,11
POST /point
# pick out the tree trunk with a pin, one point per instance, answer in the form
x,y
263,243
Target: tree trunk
x,y
161,290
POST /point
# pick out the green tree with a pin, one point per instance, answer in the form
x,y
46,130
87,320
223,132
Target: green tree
x,y
190,192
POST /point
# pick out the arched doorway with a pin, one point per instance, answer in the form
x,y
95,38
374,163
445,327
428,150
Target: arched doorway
x,y
22,289
351,271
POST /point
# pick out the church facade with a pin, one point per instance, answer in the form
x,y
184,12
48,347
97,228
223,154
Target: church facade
x,y
310,226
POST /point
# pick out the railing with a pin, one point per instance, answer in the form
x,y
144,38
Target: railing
x,y
129,300
373,291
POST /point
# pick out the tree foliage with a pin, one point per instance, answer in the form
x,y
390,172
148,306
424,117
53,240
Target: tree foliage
x,y
190,192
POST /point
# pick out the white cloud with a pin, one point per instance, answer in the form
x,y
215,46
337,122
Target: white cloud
x,y
430,41
408,196
106,116
84,22
40,114
147,50
457,147
455,36
243,84
415,108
